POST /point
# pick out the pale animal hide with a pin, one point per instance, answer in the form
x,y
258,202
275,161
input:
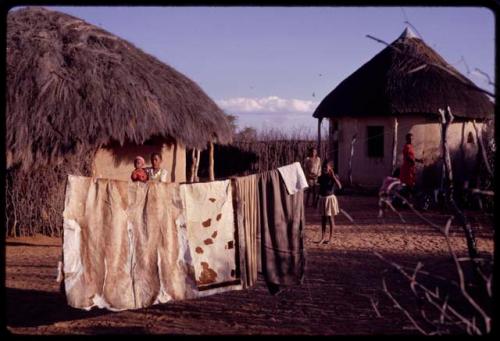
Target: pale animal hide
x,y
125,244
212,235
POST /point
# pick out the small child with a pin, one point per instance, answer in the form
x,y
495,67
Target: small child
x,y
139,174
390,185
328,203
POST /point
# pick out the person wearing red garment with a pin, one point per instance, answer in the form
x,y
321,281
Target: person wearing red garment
x,y
408,169
139,173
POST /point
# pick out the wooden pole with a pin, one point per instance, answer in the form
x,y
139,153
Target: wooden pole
x,y
319,137
395,145
462,145
193,165
174,163
196,166
446,120
211,175
353,141
482,150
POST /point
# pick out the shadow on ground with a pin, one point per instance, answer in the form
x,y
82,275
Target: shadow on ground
x,y
32,308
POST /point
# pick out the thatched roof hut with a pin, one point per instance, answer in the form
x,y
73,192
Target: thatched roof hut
x,y
407,77
72,86
400,91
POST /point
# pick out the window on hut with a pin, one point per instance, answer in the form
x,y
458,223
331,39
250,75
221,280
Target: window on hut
x,y
375,141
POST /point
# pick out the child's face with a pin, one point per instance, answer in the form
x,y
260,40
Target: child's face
x,y
155,161
138,163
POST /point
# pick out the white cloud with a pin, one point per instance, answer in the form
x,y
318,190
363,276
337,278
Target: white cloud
x,y
267,105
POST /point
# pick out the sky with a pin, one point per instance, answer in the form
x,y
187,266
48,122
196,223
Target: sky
x,y
271,66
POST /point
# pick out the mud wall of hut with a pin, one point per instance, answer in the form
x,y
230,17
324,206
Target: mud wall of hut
x,y
370,171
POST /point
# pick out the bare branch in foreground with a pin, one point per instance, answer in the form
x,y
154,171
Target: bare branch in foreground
x,y
397,305
431,297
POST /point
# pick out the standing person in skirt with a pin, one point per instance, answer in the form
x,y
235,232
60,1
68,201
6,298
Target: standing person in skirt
x,y
328,203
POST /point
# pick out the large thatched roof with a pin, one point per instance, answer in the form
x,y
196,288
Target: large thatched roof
x,y
405,77
72,85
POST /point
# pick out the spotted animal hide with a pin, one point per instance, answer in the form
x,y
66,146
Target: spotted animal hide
x,y
212,235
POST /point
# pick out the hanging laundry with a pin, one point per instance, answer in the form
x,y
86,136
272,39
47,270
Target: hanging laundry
x,y
247,213
281,233
129,245
212,236
294,177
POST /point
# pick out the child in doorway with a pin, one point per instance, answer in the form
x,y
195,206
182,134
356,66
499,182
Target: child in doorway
x,y
139,173
328,203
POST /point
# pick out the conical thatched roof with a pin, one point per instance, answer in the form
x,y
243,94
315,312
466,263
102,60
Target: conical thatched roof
x,y
405,77
72,85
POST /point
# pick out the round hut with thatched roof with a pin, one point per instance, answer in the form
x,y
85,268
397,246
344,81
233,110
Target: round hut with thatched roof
x,y
81,100
400,91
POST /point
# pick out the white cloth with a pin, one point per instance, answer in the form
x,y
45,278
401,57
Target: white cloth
x,y
293,177
161,175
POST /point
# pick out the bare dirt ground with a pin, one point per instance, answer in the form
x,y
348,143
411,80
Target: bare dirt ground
x,y
342,284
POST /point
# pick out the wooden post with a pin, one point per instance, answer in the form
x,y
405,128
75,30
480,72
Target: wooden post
x,y
174,163
319,137
211,176
462,145
353,141
482,150
196,166
395,145
193,165
446,120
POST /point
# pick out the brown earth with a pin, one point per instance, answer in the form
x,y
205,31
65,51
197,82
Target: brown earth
x,y
343,283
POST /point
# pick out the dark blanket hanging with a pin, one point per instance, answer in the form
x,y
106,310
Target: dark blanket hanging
x,y
281,233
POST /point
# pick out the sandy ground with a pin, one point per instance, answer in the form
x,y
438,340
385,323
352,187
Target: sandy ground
x,y
342,285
